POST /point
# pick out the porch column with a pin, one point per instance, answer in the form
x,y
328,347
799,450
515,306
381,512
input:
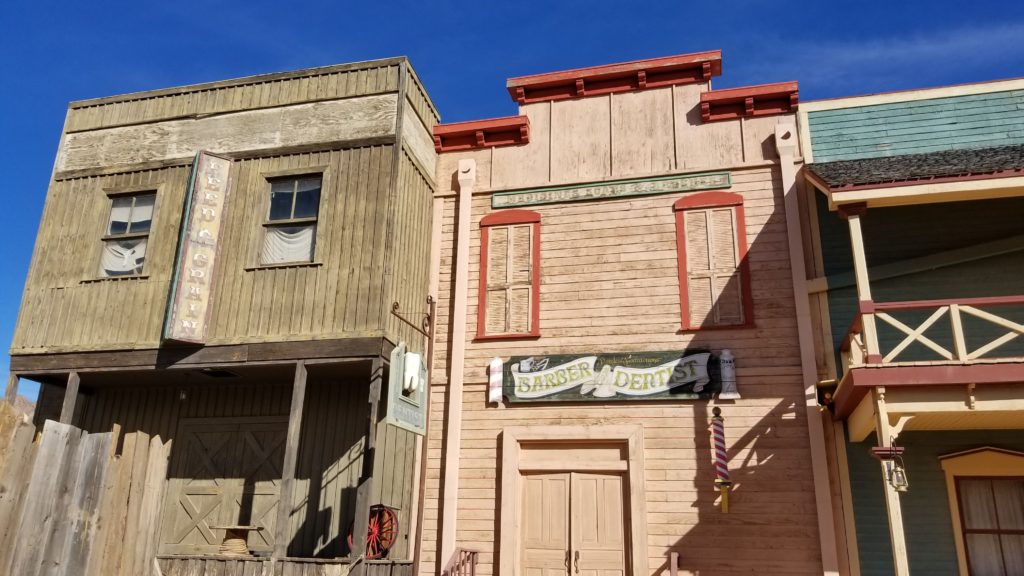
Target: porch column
x,y
852,213
885,435
12,387
291,453
364,492
67,411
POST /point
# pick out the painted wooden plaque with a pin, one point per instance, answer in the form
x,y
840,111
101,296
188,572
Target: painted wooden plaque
x,y
611,377
617,189
407,391
188,309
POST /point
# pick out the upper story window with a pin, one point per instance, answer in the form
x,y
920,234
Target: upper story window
x,y
290,228
714,277
127,234
509,301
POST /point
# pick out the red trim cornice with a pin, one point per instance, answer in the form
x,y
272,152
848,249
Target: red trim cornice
x,y
614,78
506,131
762,100
859,381
510,217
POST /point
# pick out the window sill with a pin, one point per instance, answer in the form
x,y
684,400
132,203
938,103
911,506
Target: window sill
x,y
115,278
687,330
283,265
520,336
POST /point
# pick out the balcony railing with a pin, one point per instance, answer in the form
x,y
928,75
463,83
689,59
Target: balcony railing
x,y
462,563
958,331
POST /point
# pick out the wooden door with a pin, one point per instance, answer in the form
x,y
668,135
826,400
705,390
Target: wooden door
x,y
598,525
223,473
572,524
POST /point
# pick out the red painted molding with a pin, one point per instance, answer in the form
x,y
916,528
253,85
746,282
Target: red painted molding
x,y
616,78
503,218
507,131
855,209
748,101
924,304
859,381
710,200
510,217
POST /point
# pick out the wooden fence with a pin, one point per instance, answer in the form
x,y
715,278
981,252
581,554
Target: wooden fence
x,y
71,506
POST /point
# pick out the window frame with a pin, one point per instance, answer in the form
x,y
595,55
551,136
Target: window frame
x,y
294,175
986,462
112,195
509,218
705,201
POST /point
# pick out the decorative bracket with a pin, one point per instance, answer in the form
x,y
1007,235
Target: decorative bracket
x,y
424,326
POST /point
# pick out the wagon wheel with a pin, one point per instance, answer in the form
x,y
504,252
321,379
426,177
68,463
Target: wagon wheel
x,y
381,531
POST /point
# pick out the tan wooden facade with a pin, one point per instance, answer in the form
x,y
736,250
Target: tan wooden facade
x,y
98,342
609,282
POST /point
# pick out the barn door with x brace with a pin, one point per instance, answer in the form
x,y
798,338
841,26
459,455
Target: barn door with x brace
x,y
224,472
573,523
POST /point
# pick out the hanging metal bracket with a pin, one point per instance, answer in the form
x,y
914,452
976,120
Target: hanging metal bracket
x,y
424,326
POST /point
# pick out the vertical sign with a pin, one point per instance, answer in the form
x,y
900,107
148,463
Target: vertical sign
x,y
188,310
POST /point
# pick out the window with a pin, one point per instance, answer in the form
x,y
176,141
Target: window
x,y
509,303
714,277
290,229
992,516
127,235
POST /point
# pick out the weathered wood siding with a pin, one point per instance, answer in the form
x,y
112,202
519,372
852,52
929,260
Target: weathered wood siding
x,y
373,229
609,282
918,126
266,91
330,452
65,306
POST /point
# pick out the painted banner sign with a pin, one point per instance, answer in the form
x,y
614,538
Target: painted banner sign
x,y
188,310
617,189
610,377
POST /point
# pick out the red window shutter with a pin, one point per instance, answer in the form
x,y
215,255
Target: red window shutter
x,y
509,285
714,289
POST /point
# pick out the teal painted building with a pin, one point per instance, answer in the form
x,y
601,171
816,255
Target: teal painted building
x,y
915,216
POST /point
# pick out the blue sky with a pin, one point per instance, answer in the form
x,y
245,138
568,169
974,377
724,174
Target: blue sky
x,y
55,52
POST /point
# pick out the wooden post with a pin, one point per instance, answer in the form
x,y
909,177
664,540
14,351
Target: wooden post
x,y
892,497
12,387
853,214
67,411
364,492
291,453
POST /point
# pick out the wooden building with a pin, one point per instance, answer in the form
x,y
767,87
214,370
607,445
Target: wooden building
x,y
605,258
915,243
230,266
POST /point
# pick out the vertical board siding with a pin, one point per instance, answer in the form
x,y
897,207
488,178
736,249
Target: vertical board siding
x,y
609,282
421,103
918,126
330,451
65,304
408,253
259,93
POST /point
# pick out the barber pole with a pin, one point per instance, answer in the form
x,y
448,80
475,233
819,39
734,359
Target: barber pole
x,y
721,457
494,381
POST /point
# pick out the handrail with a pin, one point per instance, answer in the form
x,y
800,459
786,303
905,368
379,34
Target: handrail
x,y
951,311
462,563
921,304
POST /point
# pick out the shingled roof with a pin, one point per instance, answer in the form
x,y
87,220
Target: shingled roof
x,y
916,167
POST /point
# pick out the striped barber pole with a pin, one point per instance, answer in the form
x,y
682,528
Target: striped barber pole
x,y
722,481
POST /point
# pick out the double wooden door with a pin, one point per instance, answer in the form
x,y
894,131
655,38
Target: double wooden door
x,y
573,523
224,472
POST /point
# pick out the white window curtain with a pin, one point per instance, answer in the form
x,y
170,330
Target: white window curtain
x,y
120,213
995,507
142,214
123,257
283,244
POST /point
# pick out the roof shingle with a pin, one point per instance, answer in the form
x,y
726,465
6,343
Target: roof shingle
x,y
913,167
